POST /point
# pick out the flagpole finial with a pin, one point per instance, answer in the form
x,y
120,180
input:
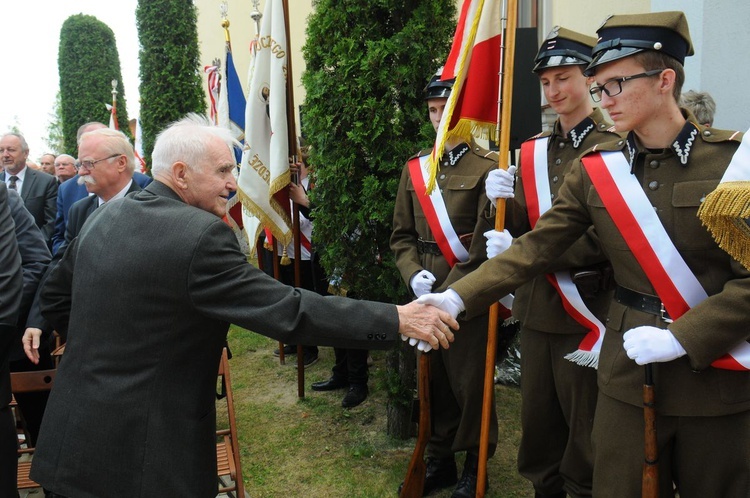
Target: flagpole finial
x,y
255,15
224,8
114,89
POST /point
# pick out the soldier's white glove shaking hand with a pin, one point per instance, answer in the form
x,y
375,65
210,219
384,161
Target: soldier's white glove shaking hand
x,y
647,344
423,346
421,283
448,301
497,242
499,184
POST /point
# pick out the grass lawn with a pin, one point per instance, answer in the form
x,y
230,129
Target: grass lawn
x,y
311,447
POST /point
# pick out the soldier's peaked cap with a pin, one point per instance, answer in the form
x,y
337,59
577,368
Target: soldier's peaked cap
x,y
564,47
625,35
437,87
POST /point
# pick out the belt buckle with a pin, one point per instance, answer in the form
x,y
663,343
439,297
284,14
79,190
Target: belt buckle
x,y
664,315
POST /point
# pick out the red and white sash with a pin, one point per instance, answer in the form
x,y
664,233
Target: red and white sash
x,y
436,213
535,176
636,220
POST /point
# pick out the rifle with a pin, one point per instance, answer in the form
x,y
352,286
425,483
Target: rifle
x,y
415,475
650,483
508,44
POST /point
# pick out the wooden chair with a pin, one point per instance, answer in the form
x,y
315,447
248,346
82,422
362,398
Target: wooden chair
x,y
227,444
27,382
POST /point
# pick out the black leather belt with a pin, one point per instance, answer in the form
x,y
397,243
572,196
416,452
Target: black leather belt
x,y
427,247
642,302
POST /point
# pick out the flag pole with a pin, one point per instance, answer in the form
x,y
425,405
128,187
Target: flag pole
x,y
507,56
293,148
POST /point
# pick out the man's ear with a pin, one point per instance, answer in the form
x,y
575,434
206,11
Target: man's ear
x,y
667,80
180,173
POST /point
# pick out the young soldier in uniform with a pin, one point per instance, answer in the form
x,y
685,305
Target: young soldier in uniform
x,y
680,302
458,378
559,397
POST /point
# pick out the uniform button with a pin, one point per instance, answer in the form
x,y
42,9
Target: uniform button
x,y
558,161
653,185
707,133
462,185
442,177
552,196
620,142
654,164
554,179
446,163
703,199
561,145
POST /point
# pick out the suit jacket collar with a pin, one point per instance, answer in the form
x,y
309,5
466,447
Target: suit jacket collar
x,y
160,189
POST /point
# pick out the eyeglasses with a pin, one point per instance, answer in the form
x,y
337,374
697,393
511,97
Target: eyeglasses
x,y
614,87
90,164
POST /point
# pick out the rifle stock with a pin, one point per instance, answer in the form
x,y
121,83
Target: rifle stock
x,y
415,474
650,483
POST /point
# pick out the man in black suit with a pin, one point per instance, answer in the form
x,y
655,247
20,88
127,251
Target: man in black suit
x,y
11,282
38,189
147,292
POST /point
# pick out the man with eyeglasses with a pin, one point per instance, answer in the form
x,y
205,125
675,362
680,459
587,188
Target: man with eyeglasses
x,y
559,310
70,192
680,302
65,167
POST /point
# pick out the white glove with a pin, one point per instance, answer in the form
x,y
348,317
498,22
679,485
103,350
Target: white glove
x,y
421,283
497,242
499,184
648,344
448,301
423,346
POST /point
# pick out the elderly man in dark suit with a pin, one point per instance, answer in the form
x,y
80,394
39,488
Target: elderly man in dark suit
x,y
135,390
38,189
11,282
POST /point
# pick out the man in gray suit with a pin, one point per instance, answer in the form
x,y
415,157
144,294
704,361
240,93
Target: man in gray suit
x,y
147,292
11,282
38,189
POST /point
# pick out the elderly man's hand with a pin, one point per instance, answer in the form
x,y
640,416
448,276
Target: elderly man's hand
x,y
30,342
426,323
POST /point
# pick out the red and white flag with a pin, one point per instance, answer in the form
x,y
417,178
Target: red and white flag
x,y
212,73
113,116
474,62
264,174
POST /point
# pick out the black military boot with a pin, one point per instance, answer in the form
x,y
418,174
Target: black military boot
x,y
467,485
440,473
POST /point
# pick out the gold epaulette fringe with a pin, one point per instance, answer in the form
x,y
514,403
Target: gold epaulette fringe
x,y
725,212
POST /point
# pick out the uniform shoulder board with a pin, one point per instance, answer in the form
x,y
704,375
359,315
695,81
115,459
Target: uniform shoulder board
x,y
539,135
482,152
716,135
609,146
421,153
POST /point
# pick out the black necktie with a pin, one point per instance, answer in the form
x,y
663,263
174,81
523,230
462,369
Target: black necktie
x,y
12,184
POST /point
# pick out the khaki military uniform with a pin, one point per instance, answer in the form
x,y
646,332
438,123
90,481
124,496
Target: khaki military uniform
x,y
558,396
457,372
704,412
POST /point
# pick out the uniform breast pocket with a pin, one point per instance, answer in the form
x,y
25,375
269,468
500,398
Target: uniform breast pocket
x,y
689,232
608,234
461,195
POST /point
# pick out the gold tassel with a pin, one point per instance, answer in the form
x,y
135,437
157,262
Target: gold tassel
x,y
725,212
285,258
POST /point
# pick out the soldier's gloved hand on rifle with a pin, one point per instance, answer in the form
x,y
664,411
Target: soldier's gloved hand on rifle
x,y
648,344
499,184
497,242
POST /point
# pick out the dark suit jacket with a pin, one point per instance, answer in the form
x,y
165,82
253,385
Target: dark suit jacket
x,y
77,215
11,284
35,257
135,390
67,195
39,194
